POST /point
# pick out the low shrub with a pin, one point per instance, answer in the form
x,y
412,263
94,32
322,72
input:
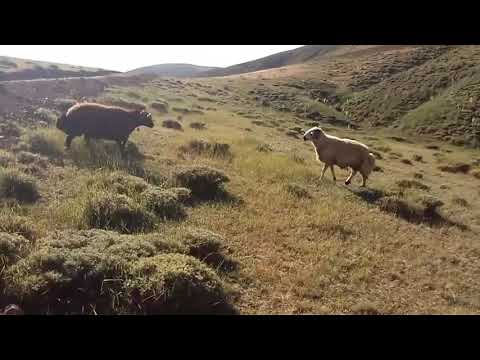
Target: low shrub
x,y
117,212
204,182
18,186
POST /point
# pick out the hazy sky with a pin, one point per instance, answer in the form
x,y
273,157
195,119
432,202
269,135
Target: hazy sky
x,y
129,57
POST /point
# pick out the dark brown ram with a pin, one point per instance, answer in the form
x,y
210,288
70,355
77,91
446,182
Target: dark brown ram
x,y
96,121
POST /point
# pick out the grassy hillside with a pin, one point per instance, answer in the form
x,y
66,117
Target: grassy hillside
x,y
172,70
289,57
21,69
422,90
254,230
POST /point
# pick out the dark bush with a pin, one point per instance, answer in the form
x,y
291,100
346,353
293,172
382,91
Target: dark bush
x,y
456,168
172,124
406,161
200,147
204,182
298,191
409,184
198,125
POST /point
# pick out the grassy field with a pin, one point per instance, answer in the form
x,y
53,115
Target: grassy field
x,y
294,244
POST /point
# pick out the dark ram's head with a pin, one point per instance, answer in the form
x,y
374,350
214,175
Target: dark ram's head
x,y
145,119
313,134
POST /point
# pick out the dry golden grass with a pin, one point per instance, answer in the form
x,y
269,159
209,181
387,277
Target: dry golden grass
x,y
330,252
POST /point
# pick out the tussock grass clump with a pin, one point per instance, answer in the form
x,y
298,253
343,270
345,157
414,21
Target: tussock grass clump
x,y
198,125
204,182
432,147
118,182
123,103
160,106
425,210
28,158
293,134
12,248
456,168
183,195
187,286
47,115
64,104
163,203
412,184
264,148
377,155
46,142
418,176
401,208
10,130
19,225
118,212
297,158
383,148
406,161
418,158
106,155
172,124
6,158
460,202
206,246
476,174
297,191
366,309
200,147
18,186
101,272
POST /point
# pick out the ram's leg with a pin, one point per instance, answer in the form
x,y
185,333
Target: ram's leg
x,y
121,144
333,173
323,171
68,141
364,182
349,179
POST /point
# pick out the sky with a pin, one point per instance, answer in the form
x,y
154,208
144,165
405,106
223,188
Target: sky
x,y
129,57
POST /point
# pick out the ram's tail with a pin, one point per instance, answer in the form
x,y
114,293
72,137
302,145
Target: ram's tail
x,y
369,164
61,122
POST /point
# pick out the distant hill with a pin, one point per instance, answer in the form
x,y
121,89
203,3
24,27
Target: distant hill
x,y
23,69
172,70
290,57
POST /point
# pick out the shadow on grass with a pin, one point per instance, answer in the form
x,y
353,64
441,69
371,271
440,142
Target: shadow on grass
x,y
414,213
